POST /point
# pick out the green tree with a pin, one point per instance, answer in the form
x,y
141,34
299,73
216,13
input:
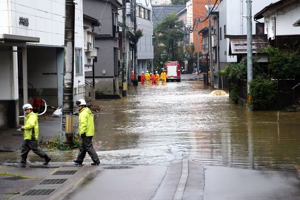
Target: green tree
x,y
168,34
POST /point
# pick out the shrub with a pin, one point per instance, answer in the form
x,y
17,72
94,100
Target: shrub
x,y
56,144
263,92
234,95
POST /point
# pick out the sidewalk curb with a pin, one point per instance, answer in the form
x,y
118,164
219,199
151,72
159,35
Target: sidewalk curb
x,y
85,173
64,190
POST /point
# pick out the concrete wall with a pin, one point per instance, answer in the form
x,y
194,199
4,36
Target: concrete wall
x,y
105,58
6,79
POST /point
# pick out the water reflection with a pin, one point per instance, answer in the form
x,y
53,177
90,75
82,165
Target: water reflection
x,y
160,123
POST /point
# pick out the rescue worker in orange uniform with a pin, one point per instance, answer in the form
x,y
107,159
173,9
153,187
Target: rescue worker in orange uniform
x,y
143,78
132,76
153,78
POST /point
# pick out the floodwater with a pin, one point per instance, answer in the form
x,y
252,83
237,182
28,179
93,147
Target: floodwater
x,y
160,123
156,124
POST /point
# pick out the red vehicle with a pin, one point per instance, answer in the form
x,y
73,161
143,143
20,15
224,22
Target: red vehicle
x,y
173,71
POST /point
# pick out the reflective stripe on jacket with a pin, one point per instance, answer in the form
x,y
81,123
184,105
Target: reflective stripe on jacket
x,y
31,127
86,122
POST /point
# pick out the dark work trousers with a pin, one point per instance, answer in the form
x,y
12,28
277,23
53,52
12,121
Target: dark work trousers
x,y
31,145
87,146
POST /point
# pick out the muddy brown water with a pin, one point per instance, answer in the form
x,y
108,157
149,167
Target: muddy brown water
x,y
160,123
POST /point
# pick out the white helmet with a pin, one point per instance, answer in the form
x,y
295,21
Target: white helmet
x,y
27,106
81,102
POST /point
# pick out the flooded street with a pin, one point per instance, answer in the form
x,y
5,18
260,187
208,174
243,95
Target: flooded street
x,y
158,124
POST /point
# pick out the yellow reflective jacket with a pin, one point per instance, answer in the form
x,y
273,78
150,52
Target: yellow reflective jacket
x,y
31,127
86,122
147,76
157,77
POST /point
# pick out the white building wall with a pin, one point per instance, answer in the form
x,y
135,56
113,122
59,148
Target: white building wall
x,y
233,15
5,16
189,16
284,19
46,20
79,80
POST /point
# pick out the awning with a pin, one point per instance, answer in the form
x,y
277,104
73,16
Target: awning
x,y
17,39
238,45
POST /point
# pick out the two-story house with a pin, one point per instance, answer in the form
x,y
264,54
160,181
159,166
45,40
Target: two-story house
x,y
281,23
32,55
107,66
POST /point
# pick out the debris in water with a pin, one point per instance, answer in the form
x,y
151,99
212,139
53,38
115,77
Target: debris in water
x,y
218,93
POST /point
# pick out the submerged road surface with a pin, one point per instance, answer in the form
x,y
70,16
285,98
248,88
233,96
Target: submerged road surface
x,y
176,141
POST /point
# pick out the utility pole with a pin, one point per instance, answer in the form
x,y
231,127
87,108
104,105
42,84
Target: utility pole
x,y
68,102
210,51
198,60
135,45
124,44
249,51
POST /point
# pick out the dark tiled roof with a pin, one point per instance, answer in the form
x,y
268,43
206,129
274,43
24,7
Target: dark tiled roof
x,y
161,11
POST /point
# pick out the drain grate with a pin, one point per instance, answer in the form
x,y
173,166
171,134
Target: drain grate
x,y
38,192
65,172
53,181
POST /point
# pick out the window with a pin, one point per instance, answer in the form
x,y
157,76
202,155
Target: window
x,y
137,11
146,14
220,33
224,30
141,12
78,61
149,15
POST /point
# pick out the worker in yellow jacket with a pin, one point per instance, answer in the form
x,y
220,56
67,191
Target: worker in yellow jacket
x,y
31,136
163,77
157,77
86,131
147,76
